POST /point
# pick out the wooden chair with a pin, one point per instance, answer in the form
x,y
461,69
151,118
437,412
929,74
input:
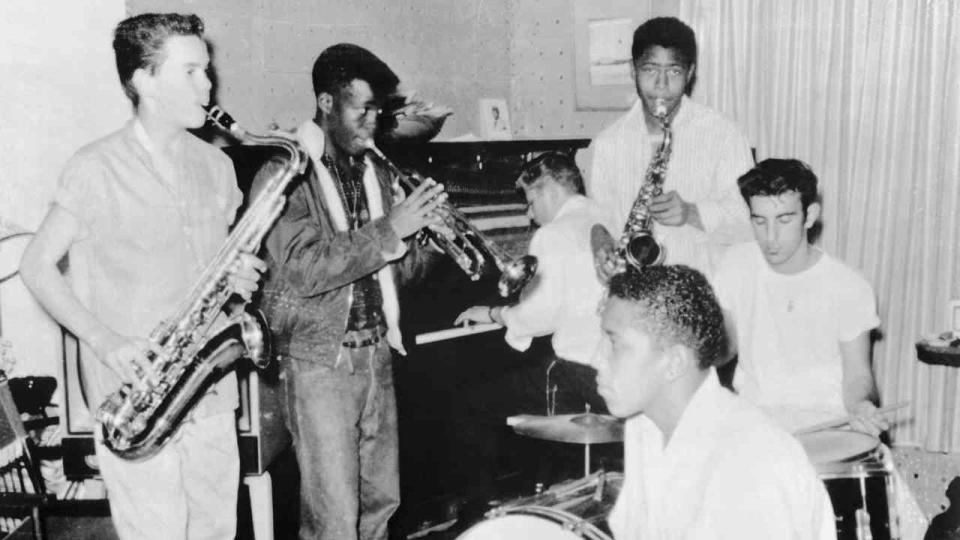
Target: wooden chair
x,y
22,493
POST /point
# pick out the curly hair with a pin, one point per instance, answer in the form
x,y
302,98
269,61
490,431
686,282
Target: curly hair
x,y
138,43
675,305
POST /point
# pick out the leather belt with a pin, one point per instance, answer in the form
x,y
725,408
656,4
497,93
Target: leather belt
x,y
357,339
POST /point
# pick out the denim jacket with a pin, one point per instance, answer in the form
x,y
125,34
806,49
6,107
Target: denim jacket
x,y
312,268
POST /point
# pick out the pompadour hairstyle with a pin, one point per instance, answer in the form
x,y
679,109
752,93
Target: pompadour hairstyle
x,y
559,166
774,177
138,43
675,305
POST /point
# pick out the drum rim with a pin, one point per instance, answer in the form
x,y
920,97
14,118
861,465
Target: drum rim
x,y
853,458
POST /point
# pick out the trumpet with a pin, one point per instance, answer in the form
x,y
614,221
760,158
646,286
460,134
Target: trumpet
x,y
470,249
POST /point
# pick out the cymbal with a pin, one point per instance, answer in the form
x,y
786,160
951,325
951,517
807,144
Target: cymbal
x,y
583,428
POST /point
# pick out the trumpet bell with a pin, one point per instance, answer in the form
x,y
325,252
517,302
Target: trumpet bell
x,y
516,274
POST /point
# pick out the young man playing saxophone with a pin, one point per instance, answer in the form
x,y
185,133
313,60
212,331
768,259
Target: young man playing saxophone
x,y
140,213
699,213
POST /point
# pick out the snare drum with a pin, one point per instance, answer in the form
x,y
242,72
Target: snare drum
x,y
856,470
571,510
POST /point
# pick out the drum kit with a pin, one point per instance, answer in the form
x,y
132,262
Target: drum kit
x,y
858,473
855,468
571,509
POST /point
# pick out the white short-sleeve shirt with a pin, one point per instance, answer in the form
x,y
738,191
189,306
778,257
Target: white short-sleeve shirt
x,y
789,331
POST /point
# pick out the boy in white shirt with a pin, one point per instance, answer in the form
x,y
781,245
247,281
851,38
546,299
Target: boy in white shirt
x,y
699,461
799,319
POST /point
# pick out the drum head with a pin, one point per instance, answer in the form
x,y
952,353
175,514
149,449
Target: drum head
x,y
518,527
837,446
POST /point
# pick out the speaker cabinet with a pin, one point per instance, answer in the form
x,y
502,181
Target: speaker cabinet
x,y
261,434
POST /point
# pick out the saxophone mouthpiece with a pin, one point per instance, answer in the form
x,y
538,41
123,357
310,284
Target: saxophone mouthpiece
x,y
660,109
221,118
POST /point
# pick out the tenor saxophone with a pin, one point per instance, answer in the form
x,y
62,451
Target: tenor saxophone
x,y
139,418
637,246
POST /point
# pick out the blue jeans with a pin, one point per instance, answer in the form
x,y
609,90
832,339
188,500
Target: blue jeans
x,y
342,415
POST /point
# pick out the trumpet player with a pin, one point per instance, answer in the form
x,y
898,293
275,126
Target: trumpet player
x,y
699,212
140,212
337,256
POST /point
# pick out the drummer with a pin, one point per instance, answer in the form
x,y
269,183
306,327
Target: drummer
x,y
699,461
799,318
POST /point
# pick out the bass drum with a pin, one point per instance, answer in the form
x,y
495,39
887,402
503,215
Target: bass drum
x,y
571,510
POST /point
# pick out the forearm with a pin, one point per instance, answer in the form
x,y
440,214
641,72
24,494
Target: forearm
x,y
857,389
52,291
858,381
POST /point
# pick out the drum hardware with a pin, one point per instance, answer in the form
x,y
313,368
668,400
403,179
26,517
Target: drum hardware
x,y
585,428
857,473
566,511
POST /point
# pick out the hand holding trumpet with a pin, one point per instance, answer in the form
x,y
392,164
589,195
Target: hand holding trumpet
x,y
421,208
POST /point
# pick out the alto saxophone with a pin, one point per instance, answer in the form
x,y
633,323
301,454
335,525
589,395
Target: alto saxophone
x,y
471,248
138,419
637,246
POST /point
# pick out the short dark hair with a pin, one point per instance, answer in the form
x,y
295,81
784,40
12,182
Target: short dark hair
x,y
675,305
339,65
773,177
669,33
559,166
138,43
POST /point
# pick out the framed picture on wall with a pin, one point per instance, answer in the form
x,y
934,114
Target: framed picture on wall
x,y
603,34
494,119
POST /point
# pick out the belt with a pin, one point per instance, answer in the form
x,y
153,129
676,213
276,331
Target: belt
x,y
357,339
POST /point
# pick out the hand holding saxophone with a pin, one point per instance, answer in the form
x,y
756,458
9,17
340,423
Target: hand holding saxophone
x,y
671,210
127,357
244,275
421,208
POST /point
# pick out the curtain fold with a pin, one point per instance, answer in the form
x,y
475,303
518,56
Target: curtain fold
x,y
868,93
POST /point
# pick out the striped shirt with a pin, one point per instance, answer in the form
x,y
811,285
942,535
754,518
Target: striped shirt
x,y
709,152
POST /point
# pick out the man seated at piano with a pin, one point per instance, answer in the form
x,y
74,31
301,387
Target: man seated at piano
x,y
799,319
562,299
699,461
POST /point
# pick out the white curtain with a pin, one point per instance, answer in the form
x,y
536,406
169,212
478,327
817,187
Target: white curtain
x,y
868,93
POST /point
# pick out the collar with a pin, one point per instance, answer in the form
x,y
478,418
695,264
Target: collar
x,y
698,418
573,203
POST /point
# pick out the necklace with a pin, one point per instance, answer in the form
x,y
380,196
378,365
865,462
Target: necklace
x,y
351,204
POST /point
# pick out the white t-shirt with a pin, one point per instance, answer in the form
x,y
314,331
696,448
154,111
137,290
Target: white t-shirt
x,y
789,330
727,472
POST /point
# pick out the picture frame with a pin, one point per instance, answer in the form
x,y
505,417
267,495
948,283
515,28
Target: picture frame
x,y
953,317
494,119
603,35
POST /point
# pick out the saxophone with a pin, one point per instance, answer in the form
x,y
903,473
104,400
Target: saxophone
x,y
138,419
637,246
